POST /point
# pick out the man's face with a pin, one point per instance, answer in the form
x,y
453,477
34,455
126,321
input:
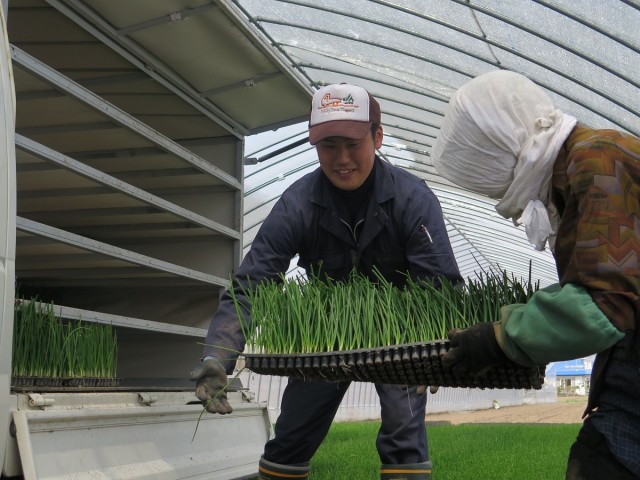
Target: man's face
x,y
346,162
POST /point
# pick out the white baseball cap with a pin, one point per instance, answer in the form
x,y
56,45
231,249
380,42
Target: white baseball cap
x,y
342,110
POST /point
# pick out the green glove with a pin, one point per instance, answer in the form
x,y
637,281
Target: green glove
x,y
211,383
473,350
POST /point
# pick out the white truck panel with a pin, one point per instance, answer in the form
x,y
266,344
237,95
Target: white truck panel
x,y
7,225
134,436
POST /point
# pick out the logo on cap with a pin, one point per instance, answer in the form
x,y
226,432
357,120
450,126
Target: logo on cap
x,y
339,103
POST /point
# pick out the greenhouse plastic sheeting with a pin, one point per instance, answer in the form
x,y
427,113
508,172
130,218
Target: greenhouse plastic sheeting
x,y
412,55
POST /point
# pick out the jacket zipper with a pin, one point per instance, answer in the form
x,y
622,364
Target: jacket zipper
x,y
355,258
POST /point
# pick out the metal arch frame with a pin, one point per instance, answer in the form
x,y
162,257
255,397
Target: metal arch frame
x,y
233,6
277,179
592,26
273,164
507,20
563,46
423,92
260,20
464,227
541,83
268,147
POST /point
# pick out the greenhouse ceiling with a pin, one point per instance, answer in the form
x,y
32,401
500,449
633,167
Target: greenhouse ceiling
x,y
412,55
254,64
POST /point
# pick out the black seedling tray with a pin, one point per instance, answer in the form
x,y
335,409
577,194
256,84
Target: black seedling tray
x,y
408,364
19,381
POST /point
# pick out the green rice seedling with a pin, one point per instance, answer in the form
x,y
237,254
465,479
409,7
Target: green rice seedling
x,y
308,315
25,335
107,352
55,345
46,346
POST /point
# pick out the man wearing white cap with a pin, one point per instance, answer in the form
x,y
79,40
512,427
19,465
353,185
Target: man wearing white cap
x,y
355,212
577,190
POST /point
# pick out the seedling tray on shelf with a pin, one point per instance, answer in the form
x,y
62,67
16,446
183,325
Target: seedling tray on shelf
x,y
408,364
20,381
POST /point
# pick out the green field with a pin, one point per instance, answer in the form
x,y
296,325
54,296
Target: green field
x,y
458,452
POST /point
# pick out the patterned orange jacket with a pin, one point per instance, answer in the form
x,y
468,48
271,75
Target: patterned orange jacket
x,y
596,187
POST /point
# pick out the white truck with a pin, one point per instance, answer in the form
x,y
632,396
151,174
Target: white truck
x,y
121,202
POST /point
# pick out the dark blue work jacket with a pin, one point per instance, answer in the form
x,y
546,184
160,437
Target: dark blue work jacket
x,y
402,233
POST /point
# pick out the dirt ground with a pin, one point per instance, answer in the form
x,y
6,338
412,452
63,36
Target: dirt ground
x,y
565,410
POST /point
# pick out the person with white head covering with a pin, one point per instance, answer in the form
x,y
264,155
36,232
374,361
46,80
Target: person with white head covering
x,y
503,122
576,190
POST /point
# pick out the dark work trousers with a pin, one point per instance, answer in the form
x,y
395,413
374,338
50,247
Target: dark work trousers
x,y
308,408
591,459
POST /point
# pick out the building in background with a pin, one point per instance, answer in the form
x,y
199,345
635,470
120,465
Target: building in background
x,y
573,377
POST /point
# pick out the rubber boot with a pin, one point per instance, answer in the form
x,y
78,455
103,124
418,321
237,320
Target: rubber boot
x,y
273,471
406,471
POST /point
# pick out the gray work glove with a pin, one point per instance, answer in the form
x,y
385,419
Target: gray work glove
x,y
473,350
211,383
